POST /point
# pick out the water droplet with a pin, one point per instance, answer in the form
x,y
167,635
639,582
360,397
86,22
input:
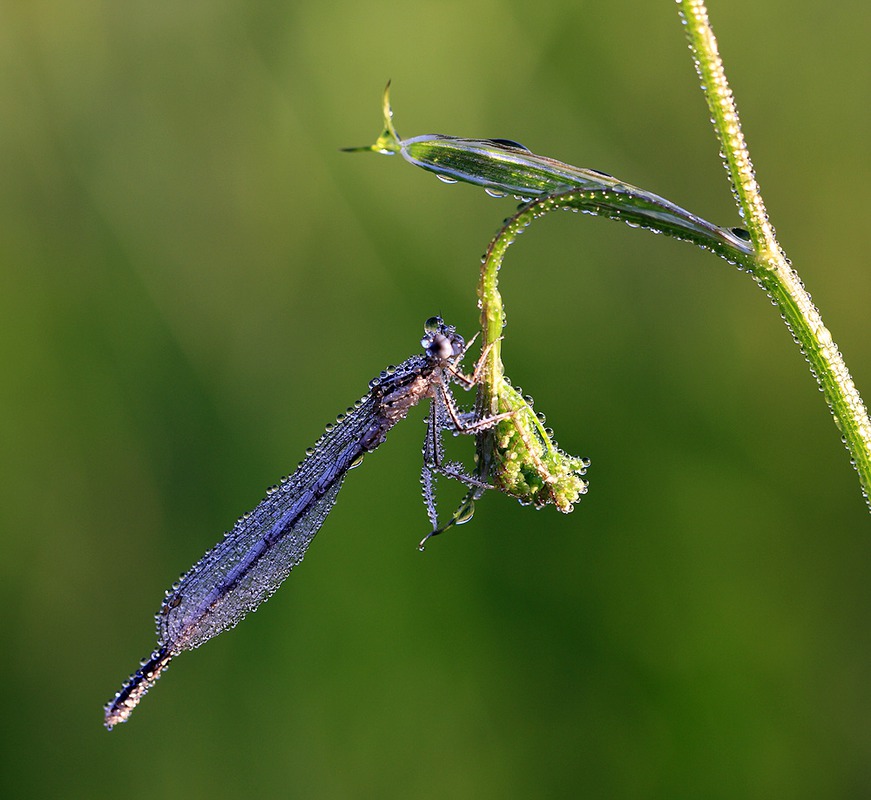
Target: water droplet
x,y
824,336
497,193
446,179
464,513
510,143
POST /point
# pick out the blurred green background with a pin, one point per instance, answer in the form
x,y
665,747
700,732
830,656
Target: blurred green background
x,y
195,280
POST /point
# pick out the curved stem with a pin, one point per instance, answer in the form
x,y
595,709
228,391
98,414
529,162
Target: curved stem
x,y
772,269
504,167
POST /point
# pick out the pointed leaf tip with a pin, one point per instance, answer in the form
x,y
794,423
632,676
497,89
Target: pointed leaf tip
x,y
388,142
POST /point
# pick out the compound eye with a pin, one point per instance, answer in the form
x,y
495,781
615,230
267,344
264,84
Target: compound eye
x,y
442,347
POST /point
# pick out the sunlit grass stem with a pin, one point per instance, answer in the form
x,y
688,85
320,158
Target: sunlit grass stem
x,y
772,269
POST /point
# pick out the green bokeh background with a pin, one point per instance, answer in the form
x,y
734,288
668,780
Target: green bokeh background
x,y
194,280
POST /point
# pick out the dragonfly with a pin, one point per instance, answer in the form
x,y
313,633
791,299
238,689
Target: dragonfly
x,y
253,559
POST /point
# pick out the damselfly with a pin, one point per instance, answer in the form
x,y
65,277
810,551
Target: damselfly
x,y
253,559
